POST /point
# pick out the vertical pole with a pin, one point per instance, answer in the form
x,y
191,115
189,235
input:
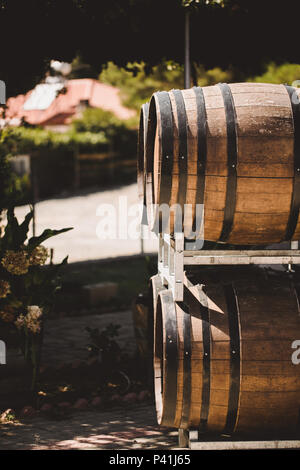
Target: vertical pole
x,y
51,255
294,246
183,438
142,238
187,61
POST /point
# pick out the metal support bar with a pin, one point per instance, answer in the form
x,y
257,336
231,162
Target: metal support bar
x,y
191,439
242,258
170,263
173,259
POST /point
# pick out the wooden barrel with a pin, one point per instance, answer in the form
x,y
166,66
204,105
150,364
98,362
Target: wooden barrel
x,y
144,314
141,152
234,148
154,287
223,358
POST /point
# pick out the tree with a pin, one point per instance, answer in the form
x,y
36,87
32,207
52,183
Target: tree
x,y
241,34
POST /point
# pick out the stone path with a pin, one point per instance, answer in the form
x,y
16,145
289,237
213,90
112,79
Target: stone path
x,y
134,428
129,427
83,212
66,339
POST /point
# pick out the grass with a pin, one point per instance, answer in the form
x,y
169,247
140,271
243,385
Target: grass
x,y
130,273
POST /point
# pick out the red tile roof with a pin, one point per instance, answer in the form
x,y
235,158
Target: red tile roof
x,y
65,106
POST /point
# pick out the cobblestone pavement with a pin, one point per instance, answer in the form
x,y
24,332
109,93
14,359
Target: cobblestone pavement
x,y
129,427
133,428
66,339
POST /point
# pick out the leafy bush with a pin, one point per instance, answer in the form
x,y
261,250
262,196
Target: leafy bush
x,y
26,140
137,84
96,131
97,120
285,73
26,289
213,76
121,135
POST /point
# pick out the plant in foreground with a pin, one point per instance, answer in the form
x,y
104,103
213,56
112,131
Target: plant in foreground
x,y
27,287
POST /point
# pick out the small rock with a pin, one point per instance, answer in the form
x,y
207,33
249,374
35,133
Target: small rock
x,y
28,412
130,398
97,401
81,404
144,395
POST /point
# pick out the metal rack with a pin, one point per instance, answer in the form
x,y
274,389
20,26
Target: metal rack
x,y
173,258
192,440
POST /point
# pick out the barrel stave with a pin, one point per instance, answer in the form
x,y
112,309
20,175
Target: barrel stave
x,y
268,394
265,162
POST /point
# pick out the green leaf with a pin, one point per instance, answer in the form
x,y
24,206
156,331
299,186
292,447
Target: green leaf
x,y
24,227
10,239
64,261
48,233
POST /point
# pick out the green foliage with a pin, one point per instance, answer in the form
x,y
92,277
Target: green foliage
x,y
33,242
26,140
15,238
26,284
39,142
97,131
103,344
285,73
81,70
97,120
137,84
121,135
212,76
6,178
27,289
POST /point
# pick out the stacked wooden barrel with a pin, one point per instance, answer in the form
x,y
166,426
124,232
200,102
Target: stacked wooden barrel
x,y
223,357
141,152
234,148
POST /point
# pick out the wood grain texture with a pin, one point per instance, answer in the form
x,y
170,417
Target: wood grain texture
x,y
269,383
141,152
265,163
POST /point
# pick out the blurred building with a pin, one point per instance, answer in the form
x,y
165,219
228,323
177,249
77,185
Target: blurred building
x,y
56,102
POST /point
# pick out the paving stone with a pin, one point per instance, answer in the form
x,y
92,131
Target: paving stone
x,y
133,428
66,339
130,427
